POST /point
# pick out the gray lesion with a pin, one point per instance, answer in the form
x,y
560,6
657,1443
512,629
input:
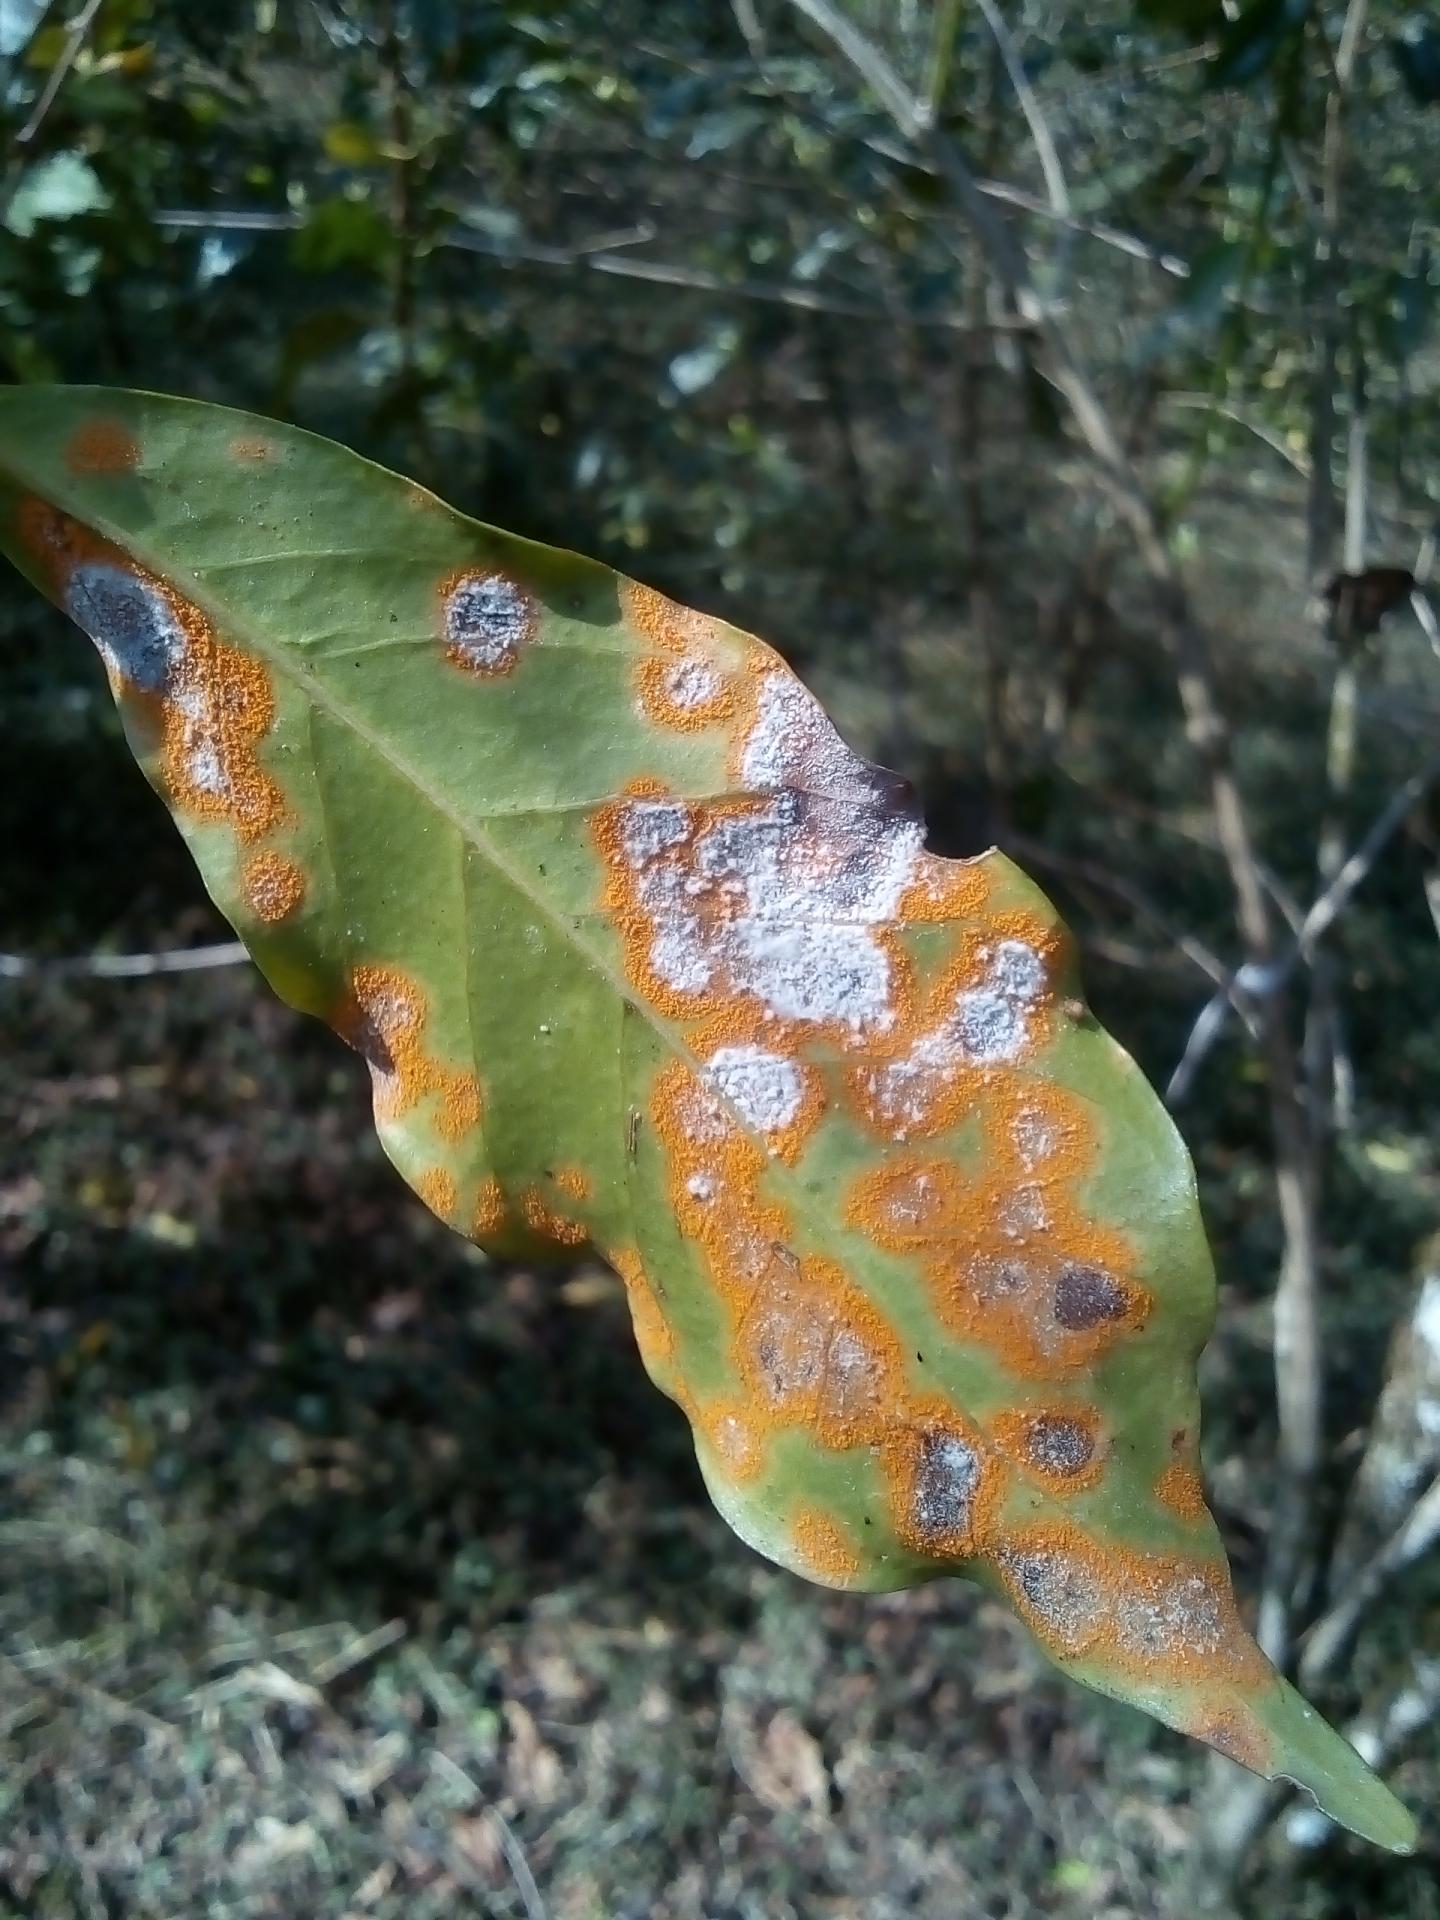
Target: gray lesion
x,y
130,621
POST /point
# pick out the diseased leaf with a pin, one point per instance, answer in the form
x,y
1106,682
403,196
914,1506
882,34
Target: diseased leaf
x,y
641,957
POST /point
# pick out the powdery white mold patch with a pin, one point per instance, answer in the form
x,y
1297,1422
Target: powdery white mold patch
x,y
203,748
131,622
793,743
690,684
788,1342
783,902
487,621
1035,1137
649,828
1181,1615
765,1089
989,1025
1068,1600
942,1496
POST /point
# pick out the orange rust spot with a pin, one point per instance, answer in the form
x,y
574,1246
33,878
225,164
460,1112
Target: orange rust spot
x,y
944,890
1160,1616
816,1353
486,619
686,694
384,1020
545,1220
102,446
436,1188
252,448
824,1547
976,1020
490,1213
1012,1258
1181,1489
908,1202
460,1106
208,704
274,885
1240,1736
1058,1445
652,1331
665,623
812,1350
728,1427
944,1483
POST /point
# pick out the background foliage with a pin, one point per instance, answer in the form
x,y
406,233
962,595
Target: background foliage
x,y
348,1575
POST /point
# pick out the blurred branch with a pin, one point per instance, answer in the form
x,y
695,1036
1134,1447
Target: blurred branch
x,y
566,259
79,32
942,53
748,21
1046,151
1108,236
1331,1634
1211,403
123,966
1318,921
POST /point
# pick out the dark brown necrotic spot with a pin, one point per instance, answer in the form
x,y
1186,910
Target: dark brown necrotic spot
x,y
1058,1445
1085,1297
945,1485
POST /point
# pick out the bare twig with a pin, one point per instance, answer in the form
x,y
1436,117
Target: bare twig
x,y
942,53
1045,149
748,21
1331,1634
1212,403
1316,924
123,966
566,259
79,31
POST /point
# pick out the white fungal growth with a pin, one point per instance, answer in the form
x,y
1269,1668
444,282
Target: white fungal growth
x,y
649,827
765,1089
783,903
131,622
946,1481
988,1025
788,1342
1182,1616
700,1187
1063,1591
690,684
204,765
487,620
793,743
1035,1137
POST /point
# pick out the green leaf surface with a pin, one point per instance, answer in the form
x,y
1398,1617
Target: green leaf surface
x,y
642,958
